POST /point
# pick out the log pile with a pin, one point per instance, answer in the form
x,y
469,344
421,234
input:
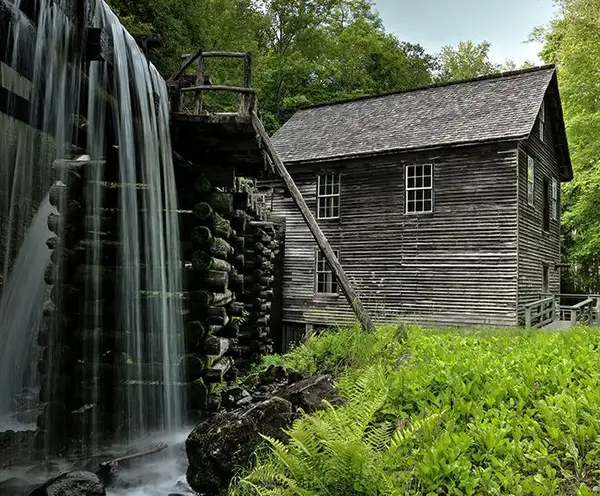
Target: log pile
x,y
73,325
229,250
210,281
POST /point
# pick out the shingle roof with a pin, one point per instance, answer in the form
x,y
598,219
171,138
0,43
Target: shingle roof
x,y
497,107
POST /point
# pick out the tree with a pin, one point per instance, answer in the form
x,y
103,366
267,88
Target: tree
x,y
466,61
573,43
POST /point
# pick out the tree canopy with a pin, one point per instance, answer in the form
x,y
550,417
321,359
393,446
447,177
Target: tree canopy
x,y
308,51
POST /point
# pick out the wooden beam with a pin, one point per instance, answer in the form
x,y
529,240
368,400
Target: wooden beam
x,y
337,269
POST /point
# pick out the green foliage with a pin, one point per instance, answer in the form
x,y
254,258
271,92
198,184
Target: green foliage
x,y
445,412
573,42
466,61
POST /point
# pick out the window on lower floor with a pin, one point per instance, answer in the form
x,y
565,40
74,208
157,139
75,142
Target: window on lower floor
x,y
326,282
419,189
328,196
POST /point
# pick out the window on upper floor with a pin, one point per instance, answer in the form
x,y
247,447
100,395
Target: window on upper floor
x,y
542,119
554,194
328,196
419,189
530,180
326,282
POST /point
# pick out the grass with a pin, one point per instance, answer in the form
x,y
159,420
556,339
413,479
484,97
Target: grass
x,y
430,412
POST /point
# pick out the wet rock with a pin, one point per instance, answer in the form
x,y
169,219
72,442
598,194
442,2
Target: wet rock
x,y
218,446
14,485
308,395
77,483
234,398
273,374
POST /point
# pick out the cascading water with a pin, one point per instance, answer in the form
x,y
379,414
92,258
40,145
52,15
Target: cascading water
x,y
127,111
20,313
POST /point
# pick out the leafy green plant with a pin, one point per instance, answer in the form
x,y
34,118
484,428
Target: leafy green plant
x,y
472,412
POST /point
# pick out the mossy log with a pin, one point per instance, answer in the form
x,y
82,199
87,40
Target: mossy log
x,y
206,299
202,185
221,249
194,365
221,227
214,347
238,261
236,309
240,221
215,374
221,203
195,334
230,331
202,236
203,262
239,244
204,214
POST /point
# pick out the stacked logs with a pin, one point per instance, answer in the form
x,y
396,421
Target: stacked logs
x,y
73,325
228,282
210,281
261,251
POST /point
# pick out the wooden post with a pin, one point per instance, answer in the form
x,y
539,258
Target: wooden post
x,y
528,317
573,316
322,242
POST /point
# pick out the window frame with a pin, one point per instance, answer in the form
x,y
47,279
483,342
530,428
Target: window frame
x,y
530,181
554,199
542,121
335,176
408,189
333,282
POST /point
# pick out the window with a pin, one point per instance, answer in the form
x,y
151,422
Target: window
x,y
545,279
554,199
542,119
419,189
546,203
328,196
326,281
530,179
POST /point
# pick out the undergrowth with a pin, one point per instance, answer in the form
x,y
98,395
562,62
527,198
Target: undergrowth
x,y
443,412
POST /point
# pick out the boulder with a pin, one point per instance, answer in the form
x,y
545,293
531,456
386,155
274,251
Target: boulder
x,y
77,483
220,445
308,394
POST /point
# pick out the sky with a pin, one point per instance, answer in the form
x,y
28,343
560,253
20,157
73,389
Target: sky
x,y
506,24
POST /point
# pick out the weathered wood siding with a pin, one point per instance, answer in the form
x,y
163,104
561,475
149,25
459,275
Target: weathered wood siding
x,y
455,266
536,246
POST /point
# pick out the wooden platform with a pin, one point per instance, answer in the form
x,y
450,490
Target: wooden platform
x,y
219,140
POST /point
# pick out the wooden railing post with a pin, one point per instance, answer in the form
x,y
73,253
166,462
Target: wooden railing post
x,y
573,316
528,316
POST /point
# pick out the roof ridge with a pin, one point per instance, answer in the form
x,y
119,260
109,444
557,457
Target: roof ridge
x,y
497,75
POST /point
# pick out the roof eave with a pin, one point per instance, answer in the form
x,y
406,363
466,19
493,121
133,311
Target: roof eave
x,y
396,151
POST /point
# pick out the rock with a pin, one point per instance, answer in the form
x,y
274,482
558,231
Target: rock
x,y
235,397
308,395
218,446
273,374
77,483
14,485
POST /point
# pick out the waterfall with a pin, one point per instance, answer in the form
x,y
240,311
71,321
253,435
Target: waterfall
x,y
21,315
130,95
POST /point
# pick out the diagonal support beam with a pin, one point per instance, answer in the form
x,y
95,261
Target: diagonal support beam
x,y
359,310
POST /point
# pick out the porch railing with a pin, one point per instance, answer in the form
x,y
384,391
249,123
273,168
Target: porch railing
x,y
540,313
586,311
